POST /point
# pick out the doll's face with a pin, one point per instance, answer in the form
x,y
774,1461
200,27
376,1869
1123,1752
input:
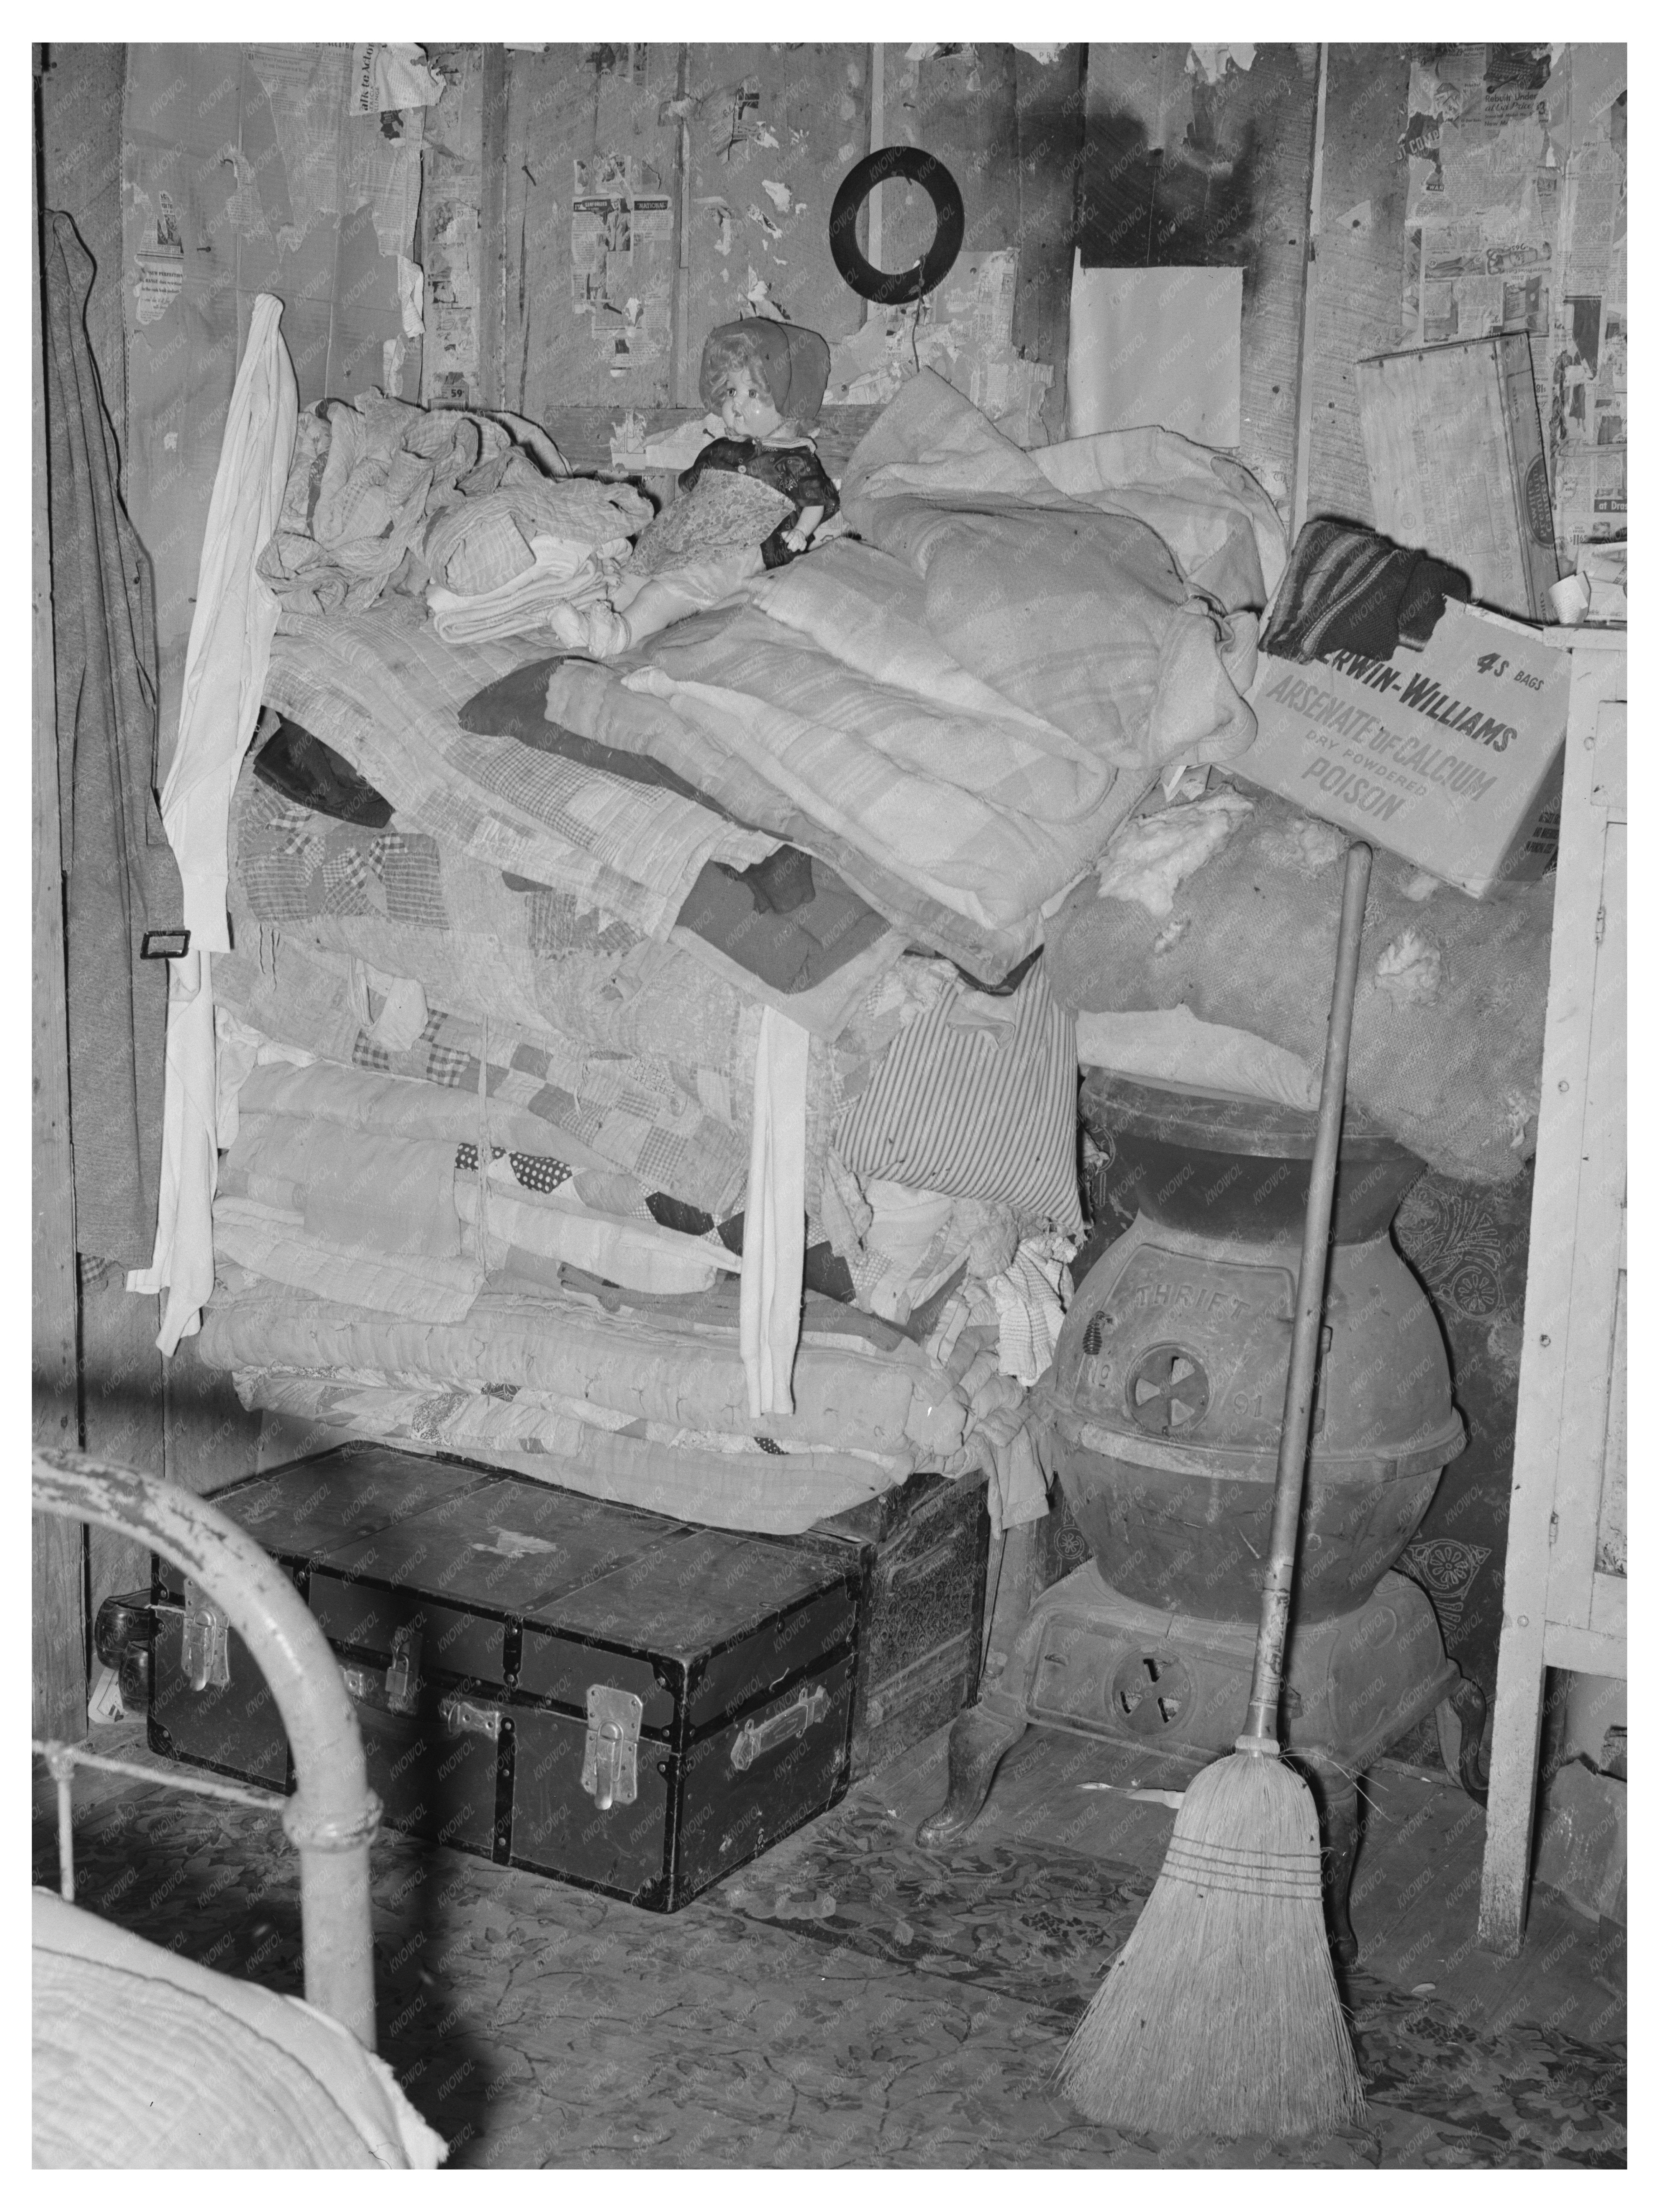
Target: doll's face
x,y
746,408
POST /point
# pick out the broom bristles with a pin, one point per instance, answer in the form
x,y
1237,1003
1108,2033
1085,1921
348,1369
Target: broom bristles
x,y
1221,2015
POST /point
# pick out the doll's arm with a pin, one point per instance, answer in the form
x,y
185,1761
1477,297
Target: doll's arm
x,y
799,536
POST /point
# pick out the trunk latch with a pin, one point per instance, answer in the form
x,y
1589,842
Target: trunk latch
x,y
610,1758
206,1655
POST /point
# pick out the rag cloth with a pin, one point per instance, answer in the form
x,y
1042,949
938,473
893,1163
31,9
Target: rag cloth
x,y
121,878
559,573
368,479
774,1218
1030,1308
488,540
1349,589
225,665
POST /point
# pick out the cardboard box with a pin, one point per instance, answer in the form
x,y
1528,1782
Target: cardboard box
x,y
1456,452
1450,755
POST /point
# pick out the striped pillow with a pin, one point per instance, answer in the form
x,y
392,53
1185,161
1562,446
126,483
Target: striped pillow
x,y
977,1108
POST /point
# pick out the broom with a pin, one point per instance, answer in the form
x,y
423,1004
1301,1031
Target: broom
x,y
1220,2016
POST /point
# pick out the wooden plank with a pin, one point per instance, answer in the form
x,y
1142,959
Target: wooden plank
x,y
492,230
81,94
1309,291
960,107
600,107
1609,787
1353,307
1276,103
58,1679
451,247
1177,172
1592,1269
122,1413
1585,1651
1545,1331
809,121
1609,1610
211,1439
1048,104
1456,452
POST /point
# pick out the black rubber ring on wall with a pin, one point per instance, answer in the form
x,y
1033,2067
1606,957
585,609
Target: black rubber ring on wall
x,y
950,221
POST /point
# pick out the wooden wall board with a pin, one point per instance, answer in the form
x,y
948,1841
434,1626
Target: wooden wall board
x,y
1277,96
812,103
770,133
606,109
211,1438
58,1679
1048,114
451,244
1577,1227
122,1413
1178,172
81,93
120,1369
1353,302
962,106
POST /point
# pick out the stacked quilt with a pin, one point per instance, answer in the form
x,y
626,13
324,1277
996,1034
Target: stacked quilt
x,y
643,1073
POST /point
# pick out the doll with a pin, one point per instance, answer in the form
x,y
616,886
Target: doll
x,y
753,499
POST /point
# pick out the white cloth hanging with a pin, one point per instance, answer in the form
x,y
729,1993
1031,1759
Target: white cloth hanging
x,y
775,1216
225,665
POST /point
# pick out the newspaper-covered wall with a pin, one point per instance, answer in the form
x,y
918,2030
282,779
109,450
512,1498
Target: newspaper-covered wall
x,y
1515,220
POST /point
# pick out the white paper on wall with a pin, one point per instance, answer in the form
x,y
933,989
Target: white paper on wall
x,y
1156,347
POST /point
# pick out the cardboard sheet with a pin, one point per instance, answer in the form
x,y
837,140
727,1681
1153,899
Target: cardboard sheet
x,y
1155,346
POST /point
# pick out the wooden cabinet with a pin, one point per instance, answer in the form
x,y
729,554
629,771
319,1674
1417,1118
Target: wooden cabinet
x,y
1564,1567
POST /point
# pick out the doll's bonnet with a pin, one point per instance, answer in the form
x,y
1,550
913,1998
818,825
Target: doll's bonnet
x,y
791,364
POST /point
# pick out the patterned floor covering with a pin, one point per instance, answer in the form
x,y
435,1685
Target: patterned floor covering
x,y
850,2001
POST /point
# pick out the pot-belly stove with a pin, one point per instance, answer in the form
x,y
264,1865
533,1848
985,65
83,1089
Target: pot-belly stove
x,y
1166,1399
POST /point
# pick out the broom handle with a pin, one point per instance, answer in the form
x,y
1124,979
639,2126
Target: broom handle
x,y
1262,1721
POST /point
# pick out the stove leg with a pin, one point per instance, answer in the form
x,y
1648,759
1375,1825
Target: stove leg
x,y
978,1741
1468,1706
1336,1792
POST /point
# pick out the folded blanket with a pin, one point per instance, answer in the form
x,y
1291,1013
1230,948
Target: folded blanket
x,y
1449,1019
955,715
630,1111
343,1207
485,543
789,923
776,1493
848,1396
357,1186
384,690
559,574
279,1244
